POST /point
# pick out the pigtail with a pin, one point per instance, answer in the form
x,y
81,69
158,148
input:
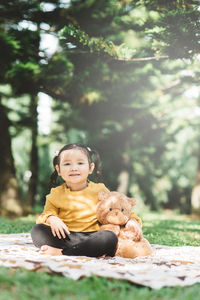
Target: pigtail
x,y
97,162
54,175
53,179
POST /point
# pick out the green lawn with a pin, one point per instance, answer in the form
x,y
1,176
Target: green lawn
x,y
170,229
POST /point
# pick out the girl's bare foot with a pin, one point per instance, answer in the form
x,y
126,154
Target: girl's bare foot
x,y
48,250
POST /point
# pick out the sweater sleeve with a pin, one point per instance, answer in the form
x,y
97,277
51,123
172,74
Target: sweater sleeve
x,y
49,209
134,216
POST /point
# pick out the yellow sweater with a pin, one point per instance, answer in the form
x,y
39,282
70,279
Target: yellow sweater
x,y
77,209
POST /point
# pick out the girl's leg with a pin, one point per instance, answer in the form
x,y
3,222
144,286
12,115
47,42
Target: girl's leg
x,y
92,244
96,244
42,235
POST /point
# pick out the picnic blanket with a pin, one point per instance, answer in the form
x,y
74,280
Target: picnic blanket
x,y
166,266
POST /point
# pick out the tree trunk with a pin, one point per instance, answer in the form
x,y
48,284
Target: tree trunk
x,y
9,191
123,178
145,186
32,188
195,197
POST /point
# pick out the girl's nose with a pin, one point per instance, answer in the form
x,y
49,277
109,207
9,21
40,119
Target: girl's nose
x,y
74,167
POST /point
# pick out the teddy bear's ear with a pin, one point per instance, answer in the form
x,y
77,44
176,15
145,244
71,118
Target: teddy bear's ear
x,y
102,195
132,201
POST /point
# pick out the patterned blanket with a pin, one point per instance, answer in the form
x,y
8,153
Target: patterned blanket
x,y
167,266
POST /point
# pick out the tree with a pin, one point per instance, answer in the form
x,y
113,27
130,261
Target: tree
x,y
104,74
116,82
24,65
9,192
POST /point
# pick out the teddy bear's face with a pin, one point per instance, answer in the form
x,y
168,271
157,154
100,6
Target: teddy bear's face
x,y
114,208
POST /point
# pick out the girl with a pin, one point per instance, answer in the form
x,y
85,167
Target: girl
x,y
68,224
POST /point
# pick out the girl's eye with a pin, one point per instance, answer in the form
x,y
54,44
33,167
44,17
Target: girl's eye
x,y
122,209
110,209
80,163
67,164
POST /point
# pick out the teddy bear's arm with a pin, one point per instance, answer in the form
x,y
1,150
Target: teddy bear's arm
x,y
111,227
134,226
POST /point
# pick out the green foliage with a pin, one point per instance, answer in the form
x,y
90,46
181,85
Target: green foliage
x,y
95,45
176,33
28,74
110,90
132,110
8,52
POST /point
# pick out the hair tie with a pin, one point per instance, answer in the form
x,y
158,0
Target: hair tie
x,y
56,153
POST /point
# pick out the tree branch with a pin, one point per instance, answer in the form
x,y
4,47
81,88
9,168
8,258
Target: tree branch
x,y
141,58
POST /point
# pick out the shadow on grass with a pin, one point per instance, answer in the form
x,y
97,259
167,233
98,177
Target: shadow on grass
x,y
173,232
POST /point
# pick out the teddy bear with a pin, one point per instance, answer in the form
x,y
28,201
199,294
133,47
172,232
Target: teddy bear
x,y
114,212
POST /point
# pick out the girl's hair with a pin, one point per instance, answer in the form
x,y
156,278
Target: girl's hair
x,y
92,155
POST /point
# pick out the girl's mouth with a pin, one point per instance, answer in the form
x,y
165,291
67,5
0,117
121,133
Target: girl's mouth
x,y
74,175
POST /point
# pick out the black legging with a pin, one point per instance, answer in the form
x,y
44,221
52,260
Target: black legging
x,y
93,244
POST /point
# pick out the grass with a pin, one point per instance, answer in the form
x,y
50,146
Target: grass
x,y
163,228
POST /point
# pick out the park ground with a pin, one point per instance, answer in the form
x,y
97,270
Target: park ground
x,y
160,228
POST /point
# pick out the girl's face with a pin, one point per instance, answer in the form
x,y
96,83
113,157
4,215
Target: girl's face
x,y
74,168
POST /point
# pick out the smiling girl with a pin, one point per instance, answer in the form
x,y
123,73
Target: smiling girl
x,y
68,224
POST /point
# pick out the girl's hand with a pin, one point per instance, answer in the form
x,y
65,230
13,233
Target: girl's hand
x,y
58,227
134,226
